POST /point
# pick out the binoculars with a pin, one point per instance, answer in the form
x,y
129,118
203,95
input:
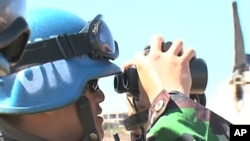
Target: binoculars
x,y
127,82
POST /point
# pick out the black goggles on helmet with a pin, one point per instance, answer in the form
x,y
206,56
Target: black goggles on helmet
x,y
13,39
95,39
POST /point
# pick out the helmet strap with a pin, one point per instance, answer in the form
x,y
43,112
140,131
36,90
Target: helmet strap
x,y
86,116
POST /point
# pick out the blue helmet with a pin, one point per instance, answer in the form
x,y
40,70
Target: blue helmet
x,y
54,83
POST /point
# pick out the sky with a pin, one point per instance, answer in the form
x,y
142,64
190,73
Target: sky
x,y
205,25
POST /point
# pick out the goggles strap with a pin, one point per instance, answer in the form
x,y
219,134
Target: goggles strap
x,y
48,50
86,116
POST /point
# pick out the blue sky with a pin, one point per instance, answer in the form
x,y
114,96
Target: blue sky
x,y
205,25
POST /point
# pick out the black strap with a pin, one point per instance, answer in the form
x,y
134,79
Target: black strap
x,y
136,121
86,117
60,47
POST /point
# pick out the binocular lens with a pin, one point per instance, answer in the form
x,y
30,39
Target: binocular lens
x,y
128,81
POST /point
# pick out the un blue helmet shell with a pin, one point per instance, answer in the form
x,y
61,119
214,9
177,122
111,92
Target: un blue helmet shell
x,y
52,22
54,84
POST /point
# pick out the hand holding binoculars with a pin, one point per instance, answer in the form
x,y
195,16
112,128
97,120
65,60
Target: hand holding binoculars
x,y
128,80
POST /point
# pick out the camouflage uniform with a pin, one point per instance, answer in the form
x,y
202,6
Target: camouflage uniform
x,y
178,118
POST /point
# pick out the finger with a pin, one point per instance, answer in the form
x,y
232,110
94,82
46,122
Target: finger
x,y
188,54
155,45
176,48
128,64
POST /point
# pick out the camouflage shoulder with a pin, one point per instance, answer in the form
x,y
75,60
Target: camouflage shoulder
x,y
184,119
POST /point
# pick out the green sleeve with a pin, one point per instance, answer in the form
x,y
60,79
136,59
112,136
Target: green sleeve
x,y
178,118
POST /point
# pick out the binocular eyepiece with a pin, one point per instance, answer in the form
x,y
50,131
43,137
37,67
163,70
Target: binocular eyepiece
x,y
128,80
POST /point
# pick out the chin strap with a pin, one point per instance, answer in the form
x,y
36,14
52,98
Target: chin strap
x,y
86,117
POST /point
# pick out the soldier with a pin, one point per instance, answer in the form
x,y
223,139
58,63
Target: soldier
x,y
52,91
